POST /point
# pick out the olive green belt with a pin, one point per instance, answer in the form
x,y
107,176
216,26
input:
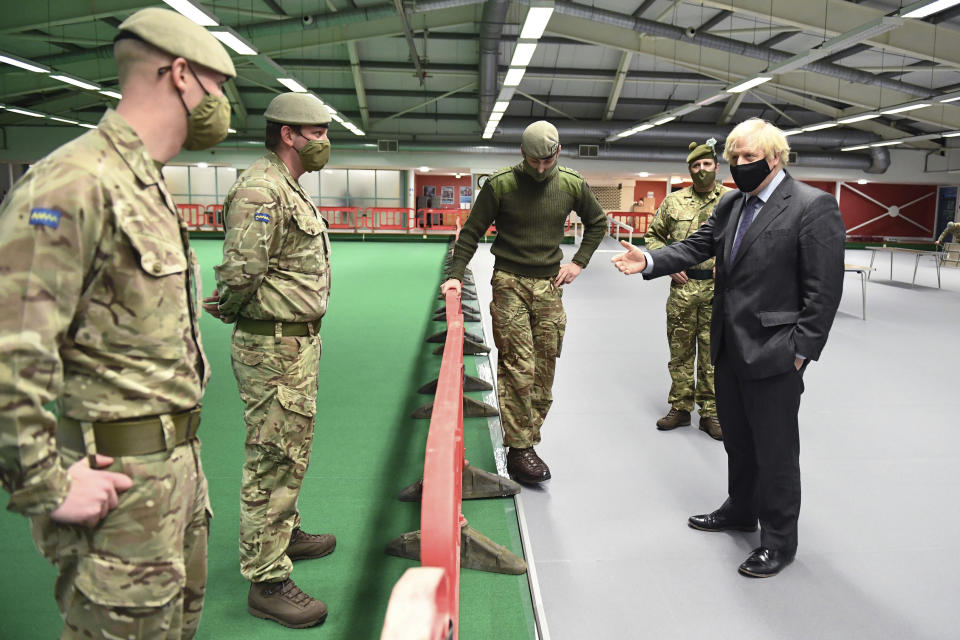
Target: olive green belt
x,y
137,437
269,327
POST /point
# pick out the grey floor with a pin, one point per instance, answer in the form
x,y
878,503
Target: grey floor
x,y
880,440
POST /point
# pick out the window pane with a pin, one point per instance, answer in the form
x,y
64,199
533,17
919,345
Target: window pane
x,y
310,181
226,176
202,181
388,184
362,186
176,179
333,187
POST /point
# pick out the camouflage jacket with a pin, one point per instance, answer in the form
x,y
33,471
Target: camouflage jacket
x,y
276,254
953,228
100,298
679,215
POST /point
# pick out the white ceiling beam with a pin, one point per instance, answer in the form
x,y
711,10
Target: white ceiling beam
x,y
916,38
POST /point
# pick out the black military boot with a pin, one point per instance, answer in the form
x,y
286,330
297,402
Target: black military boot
x,y
304,546
674,418
524,465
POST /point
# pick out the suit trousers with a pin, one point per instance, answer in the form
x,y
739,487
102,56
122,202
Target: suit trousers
x,y
761,437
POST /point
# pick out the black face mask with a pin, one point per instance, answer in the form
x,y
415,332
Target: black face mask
x,y
749,176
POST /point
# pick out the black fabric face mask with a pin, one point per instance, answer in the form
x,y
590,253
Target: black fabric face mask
x,y
749,176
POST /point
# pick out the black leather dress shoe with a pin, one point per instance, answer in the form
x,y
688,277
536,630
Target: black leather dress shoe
x,y
766,563
719,520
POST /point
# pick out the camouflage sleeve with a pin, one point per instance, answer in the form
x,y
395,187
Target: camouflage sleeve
x,y
595,223
252,219
49,226
658,233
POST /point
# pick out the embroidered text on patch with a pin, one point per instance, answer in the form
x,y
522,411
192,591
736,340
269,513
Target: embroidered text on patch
x,y
259,216
45,217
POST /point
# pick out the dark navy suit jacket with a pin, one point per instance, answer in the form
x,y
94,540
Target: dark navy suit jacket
x,y
779,296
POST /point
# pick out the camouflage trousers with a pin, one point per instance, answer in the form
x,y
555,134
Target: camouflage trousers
x,y
142,571
689,309
278,381
528,326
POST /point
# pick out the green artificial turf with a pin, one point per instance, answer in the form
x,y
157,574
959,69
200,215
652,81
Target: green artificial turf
x,y
366,450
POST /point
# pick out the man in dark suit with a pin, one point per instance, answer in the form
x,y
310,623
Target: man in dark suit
x,y
779,246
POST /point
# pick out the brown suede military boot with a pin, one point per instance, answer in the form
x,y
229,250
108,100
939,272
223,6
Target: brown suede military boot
x,y
524,465
674,418
283,602
711,426
304,546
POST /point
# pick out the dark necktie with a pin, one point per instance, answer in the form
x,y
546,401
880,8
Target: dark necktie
x,y
749,212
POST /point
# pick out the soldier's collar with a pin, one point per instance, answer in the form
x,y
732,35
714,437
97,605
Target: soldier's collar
x,y
285,171
130,147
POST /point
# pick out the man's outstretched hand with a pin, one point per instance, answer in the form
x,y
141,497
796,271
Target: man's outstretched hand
x,y
631,261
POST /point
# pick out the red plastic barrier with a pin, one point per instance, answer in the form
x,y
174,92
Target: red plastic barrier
x,y
193,215
390,218
214,216
340,217
441,219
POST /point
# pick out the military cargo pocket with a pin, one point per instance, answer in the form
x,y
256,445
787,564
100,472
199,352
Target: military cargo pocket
x,y
507,322
297,402
247,357
113,582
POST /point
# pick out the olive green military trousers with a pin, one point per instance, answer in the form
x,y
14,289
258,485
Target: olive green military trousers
x,y
689,311
142,571
277,380
528,327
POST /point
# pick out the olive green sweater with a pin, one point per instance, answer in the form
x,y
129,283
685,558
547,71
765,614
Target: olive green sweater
x,y
530,218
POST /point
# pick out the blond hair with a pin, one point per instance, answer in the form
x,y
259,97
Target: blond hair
x,y
761,133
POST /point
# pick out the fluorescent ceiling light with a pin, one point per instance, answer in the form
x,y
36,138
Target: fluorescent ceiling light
x,y
424,169
88,126
909,107
292,84
690,108
194,11
233,40
676,180
953,99
859,118
501,106
24,112
231,130
63,120
952,134
664,120
202,165
359,132
513,78
487,134
522,54
822,125
926,8
23,64
863,181
535,22
856,148
77,83
888,143
644,174
112,94
793,132
749,84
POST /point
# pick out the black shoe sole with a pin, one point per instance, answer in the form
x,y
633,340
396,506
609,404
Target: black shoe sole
x,y
707,431
527,479
671,428
750,574
746,528
266,616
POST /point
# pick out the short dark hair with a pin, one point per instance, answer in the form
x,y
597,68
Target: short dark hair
x,y
272,137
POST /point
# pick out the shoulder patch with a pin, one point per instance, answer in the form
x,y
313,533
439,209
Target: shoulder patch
x,y
45,217
260,216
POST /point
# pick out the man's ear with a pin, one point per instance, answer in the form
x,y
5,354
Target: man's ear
x,y
179,71
287,134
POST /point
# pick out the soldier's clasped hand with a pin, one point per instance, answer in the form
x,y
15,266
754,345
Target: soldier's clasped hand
x,y
92,494
631,261
453,284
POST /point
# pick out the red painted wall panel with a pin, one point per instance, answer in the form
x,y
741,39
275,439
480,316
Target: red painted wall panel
x,y
898,210
422,180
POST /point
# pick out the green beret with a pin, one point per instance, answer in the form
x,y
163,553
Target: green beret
x,y
540,140
297,108
179,36
705,150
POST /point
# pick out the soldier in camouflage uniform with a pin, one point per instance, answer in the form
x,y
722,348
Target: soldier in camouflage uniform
x,y
952,228
100,291
689,305
530,203
274,282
